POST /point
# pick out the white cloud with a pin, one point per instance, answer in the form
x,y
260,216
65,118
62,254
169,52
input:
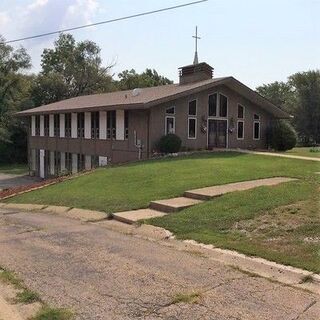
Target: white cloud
x,y
4,19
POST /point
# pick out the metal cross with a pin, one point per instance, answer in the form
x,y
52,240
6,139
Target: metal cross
x,y
196,37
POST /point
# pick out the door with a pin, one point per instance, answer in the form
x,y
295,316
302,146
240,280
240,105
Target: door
x,y
217,133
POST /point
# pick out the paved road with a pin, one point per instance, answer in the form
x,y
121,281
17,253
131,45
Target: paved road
x,y
15,180
102,274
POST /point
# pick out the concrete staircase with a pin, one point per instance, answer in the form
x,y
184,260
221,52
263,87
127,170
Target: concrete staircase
x,y
163,207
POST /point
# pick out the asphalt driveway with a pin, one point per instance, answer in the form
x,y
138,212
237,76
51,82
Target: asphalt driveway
x,y
14,180
103,274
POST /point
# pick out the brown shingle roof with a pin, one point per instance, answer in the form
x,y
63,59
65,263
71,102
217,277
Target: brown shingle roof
x,y
148,97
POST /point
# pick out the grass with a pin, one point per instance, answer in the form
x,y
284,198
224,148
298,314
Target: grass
x,y
186,297
13,168
279,223
26,296
134,185
313,152
47,313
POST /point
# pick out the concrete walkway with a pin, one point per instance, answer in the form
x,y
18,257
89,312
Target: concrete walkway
x,y
160,208
15,180
274,154
211,192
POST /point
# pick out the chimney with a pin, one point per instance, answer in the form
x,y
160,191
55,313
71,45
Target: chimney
x,y
195,72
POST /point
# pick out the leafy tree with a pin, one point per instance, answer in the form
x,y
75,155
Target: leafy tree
x,y
14,96
300,97
149,78
70,69
306,87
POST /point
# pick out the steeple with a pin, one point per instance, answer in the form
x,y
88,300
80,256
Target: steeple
x,y
195,60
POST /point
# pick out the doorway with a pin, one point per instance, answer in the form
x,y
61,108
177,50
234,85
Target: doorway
x,y
217,133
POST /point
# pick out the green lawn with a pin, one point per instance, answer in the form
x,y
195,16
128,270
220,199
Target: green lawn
x,y
133,186
14,168
313,152
280,223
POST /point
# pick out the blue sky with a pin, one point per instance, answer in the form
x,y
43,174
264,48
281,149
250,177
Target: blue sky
x,y
255,41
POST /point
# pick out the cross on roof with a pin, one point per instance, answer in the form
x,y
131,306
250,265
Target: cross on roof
x,y
195,60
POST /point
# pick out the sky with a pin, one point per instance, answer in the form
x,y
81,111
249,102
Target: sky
x,y
256,41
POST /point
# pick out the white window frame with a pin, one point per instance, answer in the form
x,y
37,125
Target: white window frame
x,y
254,122
174,110
174,124
219,105
244,110
195,131
193,115
241,120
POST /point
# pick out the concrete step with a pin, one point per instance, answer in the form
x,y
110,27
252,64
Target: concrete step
x,y
215,191
173,204
133,216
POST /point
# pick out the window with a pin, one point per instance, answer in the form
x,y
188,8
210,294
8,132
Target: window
x,y
37,125
171,110
240,111
111,124
212,102
193,108
126,124
170,126
223,105
240,129
256,117
192,128
68,161
57,163
46,124
94,161
67,124
80,125
56,125
256,130
81,162
95,125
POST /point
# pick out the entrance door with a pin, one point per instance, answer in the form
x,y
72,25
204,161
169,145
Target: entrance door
x,y
217,133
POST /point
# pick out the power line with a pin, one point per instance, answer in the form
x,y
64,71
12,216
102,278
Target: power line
x,y
106,21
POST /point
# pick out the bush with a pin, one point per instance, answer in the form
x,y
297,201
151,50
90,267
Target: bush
x,y
169,143
283,136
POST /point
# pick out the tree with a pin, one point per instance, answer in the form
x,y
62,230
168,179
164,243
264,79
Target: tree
x,y
306,87
149,78
70,69
279,93
12,63
14,96
300,97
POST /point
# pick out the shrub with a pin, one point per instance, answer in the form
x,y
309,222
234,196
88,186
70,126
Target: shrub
x,y
283,137
169,143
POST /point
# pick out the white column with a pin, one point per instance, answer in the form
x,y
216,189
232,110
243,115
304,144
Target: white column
x,y
119,124
41,126
87,125
41,171
33,126
103,125
87,164
74,163
33,159
74,125
51,125
52,163
63,161
62,125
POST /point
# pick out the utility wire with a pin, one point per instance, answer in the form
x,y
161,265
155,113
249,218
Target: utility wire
x,y
107,21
